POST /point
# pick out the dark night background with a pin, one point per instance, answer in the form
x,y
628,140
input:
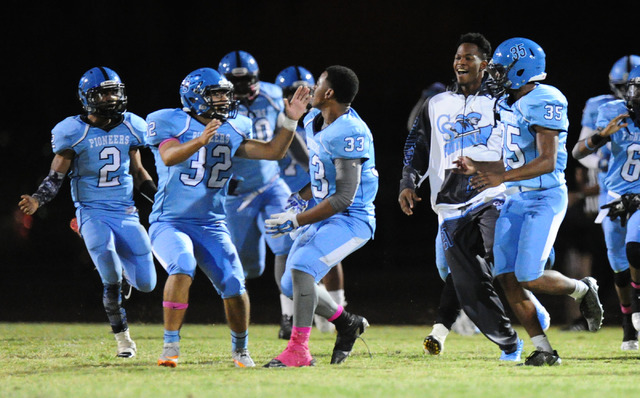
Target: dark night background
x,y
396,48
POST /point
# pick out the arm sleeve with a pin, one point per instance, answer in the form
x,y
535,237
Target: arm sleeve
x,y
348,173
416,149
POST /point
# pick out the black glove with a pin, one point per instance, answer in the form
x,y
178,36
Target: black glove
x,y
617,209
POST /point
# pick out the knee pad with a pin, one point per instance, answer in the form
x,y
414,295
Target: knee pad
x,y
633,254
185,264
286,285
622,278
145,273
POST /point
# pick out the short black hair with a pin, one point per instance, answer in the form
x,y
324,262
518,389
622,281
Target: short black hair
x,y
479,40
344,83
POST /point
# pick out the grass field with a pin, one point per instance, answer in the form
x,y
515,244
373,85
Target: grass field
x,y
78,360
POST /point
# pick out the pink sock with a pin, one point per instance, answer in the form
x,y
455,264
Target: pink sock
x,y
625,309
300,335
337,314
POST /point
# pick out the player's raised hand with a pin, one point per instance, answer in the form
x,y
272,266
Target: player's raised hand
x,y
28,204
614,125
209,131
298,105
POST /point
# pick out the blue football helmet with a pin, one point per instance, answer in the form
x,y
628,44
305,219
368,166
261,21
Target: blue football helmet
x,y
292,77
102,93
632,94
516,62
241,69
619,74
208,94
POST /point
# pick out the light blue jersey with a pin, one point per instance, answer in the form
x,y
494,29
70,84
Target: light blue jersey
x,y
589,118
348,137
99,172
530,218
544,106
254,174
102,191
193,191
320,246
624,164
590,111
291,171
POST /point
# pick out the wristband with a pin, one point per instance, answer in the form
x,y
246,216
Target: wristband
x,y
586,144
289,124
596,139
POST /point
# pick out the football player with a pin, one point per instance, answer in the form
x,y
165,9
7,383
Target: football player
x,y
618,123
257,188
295,171
344,183
534,123
597,166
100,151
195,147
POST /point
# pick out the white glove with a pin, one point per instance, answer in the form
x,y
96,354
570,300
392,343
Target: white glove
x,y
281,223
296,203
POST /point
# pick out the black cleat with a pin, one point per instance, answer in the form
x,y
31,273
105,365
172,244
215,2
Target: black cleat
x,y
276,363
541,358
432,345
590,305
347,337
286,323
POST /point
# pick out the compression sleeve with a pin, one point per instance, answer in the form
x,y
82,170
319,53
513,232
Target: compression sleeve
x,y
348,173
416,149
49,187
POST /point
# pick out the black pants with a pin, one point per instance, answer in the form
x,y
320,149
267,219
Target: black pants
x,y
468,248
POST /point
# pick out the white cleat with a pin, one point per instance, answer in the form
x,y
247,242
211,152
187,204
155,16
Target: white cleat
x,y
464,326
635,320
126,346
242,358
629,345
434,343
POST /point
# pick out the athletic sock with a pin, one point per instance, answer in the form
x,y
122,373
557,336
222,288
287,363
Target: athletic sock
x,y
440,332
580,290
239,340
541,343
286,304
171,336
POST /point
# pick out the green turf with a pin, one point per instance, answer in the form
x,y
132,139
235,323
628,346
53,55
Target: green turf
x,y
78,360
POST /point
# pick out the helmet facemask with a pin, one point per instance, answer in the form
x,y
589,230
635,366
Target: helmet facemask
x,y
500,74
220,102
107,100
245,86
632,98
